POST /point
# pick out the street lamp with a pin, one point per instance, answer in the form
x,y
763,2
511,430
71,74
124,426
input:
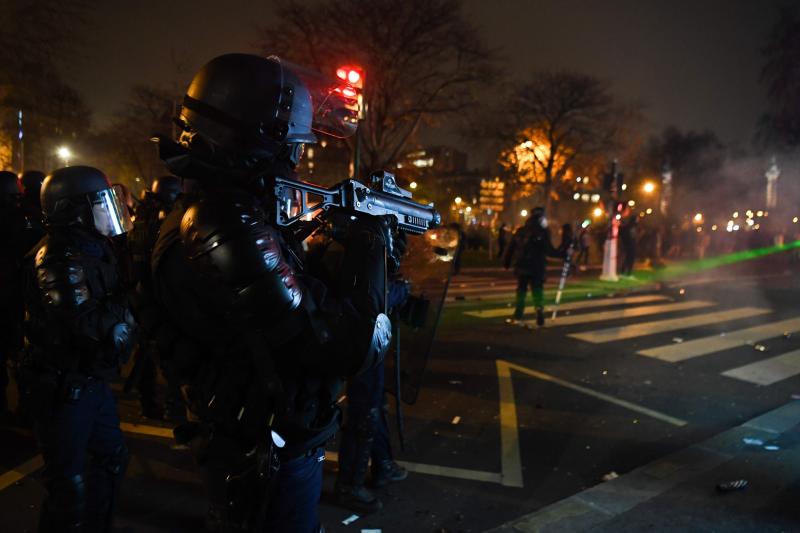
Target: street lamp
x,y
413,184
649,187
64,154
598,212
698,218
457,200
523,213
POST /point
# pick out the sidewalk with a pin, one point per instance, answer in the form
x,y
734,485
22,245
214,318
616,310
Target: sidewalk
x,y
678,492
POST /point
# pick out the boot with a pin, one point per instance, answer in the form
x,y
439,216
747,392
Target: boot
x,y
350,491
64,507
540,316
387,471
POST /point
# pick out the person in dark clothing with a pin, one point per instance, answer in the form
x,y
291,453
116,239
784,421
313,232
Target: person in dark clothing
x,y
32,206
528,252
80,330
584,246
260,346
150,212
627,236
13,231
365,435
501,240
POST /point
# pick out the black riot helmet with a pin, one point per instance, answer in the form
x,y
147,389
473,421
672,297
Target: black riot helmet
x,y
166,189
32,185
243,104
83,196
9,188
537,218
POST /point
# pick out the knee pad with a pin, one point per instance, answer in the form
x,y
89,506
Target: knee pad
x,y
114,463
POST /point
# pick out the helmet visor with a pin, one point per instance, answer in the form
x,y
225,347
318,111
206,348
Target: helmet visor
x,y
110,215
335,103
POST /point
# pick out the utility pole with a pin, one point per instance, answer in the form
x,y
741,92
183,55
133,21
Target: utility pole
x,y
772,174
612,183
665,197
20,144
353,76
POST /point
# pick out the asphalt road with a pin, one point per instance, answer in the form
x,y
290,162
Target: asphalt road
x,y
513,418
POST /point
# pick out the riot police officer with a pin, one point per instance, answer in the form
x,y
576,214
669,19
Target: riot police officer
x,y
150,212
80,330
262,346
12,231
31,204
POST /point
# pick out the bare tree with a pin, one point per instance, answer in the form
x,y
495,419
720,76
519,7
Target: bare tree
x,y
35,36
558,122
125,148
423,61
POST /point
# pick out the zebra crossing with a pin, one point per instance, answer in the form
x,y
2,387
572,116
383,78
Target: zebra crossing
x,y
646,315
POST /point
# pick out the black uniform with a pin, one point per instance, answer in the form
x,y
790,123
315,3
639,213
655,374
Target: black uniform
x,y
80,330
260,347
13,233
150,213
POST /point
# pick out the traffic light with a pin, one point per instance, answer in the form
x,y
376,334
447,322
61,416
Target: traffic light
x,y
620,181
353,76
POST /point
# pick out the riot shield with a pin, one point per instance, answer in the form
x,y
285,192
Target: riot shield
x,y
427,266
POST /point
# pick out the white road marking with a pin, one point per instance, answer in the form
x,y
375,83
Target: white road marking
x,y
436,470
662,326
768,371
715,343
571,306
632,312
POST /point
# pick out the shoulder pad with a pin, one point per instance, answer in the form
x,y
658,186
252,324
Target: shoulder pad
x,y
228,238
60,274
212,221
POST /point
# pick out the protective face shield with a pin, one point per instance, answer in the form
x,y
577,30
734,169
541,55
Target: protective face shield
x,y
109,214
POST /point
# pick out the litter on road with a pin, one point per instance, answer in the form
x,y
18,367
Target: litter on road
x,y
350,519
611,475
730,486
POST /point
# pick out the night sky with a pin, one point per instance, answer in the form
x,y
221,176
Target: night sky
x,y
693,64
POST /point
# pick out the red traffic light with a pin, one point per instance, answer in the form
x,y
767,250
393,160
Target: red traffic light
x,y
352,75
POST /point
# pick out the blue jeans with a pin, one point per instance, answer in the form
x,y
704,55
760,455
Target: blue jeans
x,y
84,455
365,392
295,495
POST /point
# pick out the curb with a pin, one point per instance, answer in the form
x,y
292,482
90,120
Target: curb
x,y
595,506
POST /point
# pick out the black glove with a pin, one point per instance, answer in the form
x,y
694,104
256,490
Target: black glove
x,y
368,248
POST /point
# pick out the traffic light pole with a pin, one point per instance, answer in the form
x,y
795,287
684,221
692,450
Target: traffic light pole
x,y
357,152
